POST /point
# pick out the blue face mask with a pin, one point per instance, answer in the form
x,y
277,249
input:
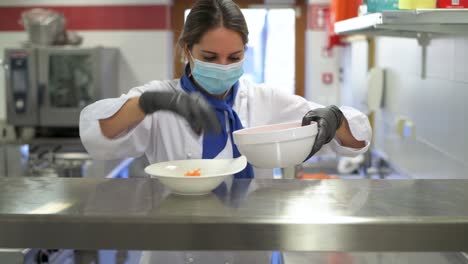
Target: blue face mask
x,y
216,78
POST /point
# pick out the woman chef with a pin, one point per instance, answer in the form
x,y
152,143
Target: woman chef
x,y
193,117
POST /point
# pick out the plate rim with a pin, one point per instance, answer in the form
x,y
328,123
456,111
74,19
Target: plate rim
x,y
196,177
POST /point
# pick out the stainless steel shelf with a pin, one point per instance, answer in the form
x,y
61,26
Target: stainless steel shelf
x,y
407,23
288,215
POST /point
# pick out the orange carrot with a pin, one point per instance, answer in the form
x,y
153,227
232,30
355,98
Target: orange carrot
x,y
193,173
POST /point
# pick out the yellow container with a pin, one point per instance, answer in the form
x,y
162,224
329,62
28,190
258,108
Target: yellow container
x,y
417,4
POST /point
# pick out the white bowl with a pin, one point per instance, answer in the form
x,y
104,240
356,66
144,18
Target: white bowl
x,y
276,146
213,172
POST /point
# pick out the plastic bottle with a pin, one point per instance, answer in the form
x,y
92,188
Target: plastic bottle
x,y
381,5
417,4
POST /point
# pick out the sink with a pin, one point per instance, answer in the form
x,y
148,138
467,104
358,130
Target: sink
x,y
379,169
322,166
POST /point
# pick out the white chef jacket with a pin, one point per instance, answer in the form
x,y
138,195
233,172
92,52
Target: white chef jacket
x,y
164,136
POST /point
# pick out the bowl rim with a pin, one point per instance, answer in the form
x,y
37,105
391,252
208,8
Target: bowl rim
x,y
244,160
257,138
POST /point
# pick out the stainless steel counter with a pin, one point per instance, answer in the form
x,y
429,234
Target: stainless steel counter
x,y
289,215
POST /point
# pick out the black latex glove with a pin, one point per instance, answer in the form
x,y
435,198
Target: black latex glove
x,y
328,121
198,113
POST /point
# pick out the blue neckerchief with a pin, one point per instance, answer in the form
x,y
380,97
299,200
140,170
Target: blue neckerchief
x,y
213,144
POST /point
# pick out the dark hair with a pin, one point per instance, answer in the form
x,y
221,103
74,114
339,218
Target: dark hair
x,y
209,14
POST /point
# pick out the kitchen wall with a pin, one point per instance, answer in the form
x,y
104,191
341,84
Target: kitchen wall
x,y
436,105
146,48
322,66
354,65
146,54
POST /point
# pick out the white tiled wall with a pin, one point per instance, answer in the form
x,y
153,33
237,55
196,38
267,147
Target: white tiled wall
x,y
145,55
436,105
460,68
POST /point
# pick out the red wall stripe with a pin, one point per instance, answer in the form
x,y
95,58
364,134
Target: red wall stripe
x,y
138,17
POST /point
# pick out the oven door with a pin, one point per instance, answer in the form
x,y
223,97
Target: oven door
x,y
68,80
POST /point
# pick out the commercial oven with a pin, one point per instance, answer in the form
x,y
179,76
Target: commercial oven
x,y
49,86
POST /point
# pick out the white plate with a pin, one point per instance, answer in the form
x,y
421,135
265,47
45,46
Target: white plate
x,y
213,172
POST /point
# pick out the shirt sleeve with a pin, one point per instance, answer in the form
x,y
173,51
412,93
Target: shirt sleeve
x,y
360,129
131,143
287,108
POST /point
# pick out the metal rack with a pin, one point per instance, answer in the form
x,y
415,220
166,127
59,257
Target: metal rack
x,y
421,24
407,23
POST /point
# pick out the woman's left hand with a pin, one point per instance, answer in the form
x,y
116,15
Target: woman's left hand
x,y
328,119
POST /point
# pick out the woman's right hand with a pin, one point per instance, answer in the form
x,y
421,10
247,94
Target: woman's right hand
x,y
193,107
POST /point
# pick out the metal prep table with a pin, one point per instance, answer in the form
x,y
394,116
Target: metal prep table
x,y
288,215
